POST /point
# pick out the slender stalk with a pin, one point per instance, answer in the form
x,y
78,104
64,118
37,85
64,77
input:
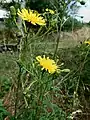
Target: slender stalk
x,y
17,91
57,41
18,79
19,26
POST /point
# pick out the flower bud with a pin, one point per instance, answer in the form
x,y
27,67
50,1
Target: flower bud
x,y
65,70
13,11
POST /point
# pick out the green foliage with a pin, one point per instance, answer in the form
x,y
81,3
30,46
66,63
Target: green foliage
x,y
10,22
3,112
72,24
79,57
78,61
38,5
57,114
8,5
88,24
5,85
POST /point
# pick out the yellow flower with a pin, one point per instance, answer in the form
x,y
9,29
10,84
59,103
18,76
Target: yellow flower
x,y
87,42
47,64
49,10
31,16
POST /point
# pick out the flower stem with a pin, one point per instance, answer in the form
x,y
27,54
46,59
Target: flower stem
x,y
17,90
57,42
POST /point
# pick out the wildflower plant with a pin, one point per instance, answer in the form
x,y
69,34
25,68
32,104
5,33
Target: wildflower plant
x,y
37,74
51,17
37,89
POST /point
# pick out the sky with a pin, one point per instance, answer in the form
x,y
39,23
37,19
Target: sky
x,y
84,11
7,0
3,14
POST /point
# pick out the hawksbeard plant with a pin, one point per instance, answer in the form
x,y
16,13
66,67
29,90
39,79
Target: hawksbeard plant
x,y
37,75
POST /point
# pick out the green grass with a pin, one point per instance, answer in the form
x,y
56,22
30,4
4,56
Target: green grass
x,y
8,64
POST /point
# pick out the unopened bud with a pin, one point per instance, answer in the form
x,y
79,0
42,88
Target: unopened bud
x,y
13,10
65,70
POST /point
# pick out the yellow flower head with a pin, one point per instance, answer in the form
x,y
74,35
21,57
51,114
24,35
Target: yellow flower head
x,y
47,64
31,16
87,42
49,10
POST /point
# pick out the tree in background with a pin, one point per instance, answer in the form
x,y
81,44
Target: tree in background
x,y
68,25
